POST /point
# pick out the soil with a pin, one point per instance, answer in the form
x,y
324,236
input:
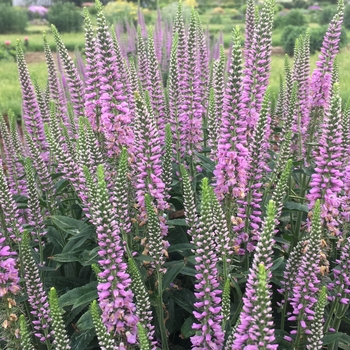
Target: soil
x,y
37,57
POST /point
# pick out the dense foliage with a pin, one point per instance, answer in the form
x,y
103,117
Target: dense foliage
x,y
12,19
66,17
190,213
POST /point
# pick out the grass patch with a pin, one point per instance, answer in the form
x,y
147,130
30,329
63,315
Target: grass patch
x,y
71,40
10,90
277,68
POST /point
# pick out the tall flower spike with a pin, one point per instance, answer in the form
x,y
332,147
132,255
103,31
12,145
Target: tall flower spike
x,y
56,91
121,197
156,87
179,28
43,106
213,126
250,210
61,340
209,334
167,165
142,62
249,27
15,135
174,98
35,218
322,76
315,339
191,110
222,234
280,189
148,167
143,304
346,129
307,282
105,340
12,228
191,215
154,235
219,85
75,84
31,112
45,181
327,181
115,122
248,331
115,295
37,297
121,67
144,344
14,167
231,169
93,81
203,60
256,73
25,334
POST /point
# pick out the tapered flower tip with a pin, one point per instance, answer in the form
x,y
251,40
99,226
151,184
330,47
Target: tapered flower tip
x,y
54,29
100,173
98,5
262,274
18,47
271,208
340,5
336,89
85,12
317,211
205,184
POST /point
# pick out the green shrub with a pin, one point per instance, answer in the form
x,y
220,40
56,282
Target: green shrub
x,y
215,19
289,35
326,15
66,17
294,18
121,11
12,19
347,17
317,35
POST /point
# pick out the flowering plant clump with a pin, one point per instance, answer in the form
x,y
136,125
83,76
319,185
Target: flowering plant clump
x,y
138,212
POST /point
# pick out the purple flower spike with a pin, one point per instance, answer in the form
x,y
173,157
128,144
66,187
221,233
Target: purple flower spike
x,y
115,295
256,303
209,334
327,181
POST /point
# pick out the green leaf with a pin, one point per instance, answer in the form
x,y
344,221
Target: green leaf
x,y
75,294
177,222
184,298
331,338
143,257
79,239
277,263
189,271
81,340
296,206
61,185
68,224
86,299
85,321
89,257
171,274
66,257
180,247
186,329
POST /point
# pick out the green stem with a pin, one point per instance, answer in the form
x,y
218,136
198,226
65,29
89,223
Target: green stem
x,y
160,312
